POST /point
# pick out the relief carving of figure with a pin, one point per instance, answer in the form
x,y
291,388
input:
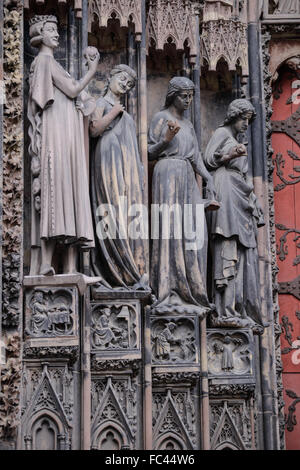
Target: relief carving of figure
x,y
236,289
117,180
49,315
40,319
60,191
178,266
103,334
164,340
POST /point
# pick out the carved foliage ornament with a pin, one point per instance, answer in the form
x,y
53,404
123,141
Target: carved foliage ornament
x,y
124,10
12,203
173,22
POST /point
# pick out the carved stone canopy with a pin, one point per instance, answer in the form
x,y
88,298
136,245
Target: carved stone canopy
x,y
225,39
173,22
76,4
123,10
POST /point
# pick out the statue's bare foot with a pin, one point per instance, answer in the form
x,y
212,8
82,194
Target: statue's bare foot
x,y
47,270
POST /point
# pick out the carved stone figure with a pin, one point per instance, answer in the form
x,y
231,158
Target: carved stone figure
x,y
236,290
178,272
286,7
117,185
103,334
164,340
40,320
60,198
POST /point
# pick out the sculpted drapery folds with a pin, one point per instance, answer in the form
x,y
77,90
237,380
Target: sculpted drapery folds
x,y
235,271
61,210
117,182
178,262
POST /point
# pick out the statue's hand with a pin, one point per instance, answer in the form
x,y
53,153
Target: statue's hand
x,y
210,190
117,109
92,59
238,151
172,130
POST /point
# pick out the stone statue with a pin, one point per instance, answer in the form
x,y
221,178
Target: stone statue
x,y
236,290
60,191
117,185
178,266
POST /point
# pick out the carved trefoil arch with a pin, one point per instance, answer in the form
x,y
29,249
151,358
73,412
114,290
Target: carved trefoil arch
x,y
175,22
224,37
124,10
111,423
45,423
169,431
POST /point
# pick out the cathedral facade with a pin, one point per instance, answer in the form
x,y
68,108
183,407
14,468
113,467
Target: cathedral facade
x,y
150,238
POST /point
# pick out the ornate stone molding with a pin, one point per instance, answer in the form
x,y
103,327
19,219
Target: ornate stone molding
x,y
71,353
225,39
184,378
267,77
99,365
231,390
173,22
124,10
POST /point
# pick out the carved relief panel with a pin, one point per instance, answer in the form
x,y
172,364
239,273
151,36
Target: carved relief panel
x,y
114,412
174,340
230,353
115,328
51,316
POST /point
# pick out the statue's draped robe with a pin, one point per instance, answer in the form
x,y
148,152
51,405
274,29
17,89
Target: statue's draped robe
x,y
117,176
287,7
178,273
233,228
57,140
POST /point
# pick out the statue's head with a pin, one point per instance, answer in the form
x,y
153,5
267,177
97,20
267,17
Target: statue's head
x,y
121,80
239,114
180,93
38,296
171,326
103,320
43,30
